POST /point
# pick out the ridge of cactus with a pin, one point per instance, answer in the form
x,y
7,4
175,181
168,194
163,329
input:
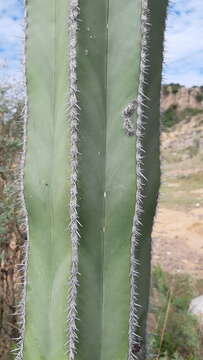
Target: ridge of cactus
x,y
134,339
74,121
147,169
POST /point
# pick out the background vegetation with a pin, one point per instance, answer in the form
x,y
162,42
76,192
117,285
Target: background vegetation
x,y
174,332
11,227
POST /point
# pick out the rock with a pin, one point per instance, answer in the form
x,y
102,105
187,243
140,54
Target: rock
x,y
196,308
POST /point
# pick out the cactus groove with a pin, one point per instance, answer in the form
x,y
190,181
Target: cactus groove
x,y
92,175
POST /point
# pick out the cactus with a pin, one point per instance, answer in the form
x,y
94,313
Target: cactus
x,y
91,176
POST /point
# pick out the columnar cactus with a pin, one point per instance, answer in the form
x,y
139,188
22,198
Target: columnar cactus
x,y
91,176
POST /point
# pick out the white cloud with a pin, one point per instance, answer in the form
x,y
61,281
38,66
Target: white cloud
x,y
11,6
184,45
10,31
11,35
189,78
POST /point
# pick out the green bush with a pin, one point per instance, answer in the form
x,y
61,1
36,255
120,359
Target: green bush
x,y
174,87
201,88
172,117
169,117
189,112
177,334
165,90
199,97
11,128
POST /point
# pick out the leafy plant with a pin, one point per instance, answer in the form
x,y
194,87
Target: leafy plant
x,y
99,167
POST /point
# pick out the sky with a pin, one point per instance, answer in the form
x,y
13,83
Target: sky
x,y
11,39
183,42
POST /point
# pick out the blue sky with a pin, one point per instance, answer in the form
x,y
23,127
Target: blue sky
x,y
11,36
184,43
183,46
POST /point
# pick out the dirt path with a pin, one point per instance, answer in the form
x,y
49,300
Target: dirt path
x,y
178,241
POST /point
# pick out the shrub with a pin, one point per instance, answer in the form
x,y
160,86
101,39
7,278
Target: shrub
x,y
174,88
165,90
199,97
176,334
169,117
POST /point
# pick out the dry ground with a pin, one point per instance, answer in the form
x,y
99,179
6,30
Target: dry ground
x,y
178,241
178,230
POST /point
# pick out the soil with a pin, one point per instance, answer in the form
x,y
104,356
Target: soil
x,y
178,241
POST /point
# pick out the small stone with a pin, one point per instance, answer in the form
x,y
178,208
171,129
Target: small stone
x,y
196,308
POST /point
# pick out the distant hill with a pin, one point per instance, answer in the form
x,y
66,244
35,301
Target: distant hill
x,y
178,231
180,103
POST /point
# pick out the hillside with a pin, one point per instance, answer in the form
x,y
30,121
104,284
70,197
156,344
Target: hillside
x,y
178,231
181,97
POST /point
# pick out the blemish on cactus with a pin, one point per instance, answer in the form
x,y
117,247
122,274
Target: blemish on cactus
x,y
129,125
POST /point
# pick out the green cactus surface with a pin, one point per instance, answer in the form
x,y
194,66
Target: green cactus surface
x,y
91,177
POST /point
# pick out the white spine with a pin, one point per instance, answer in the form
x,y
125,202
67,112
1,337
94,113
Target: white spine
x,y
73,112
